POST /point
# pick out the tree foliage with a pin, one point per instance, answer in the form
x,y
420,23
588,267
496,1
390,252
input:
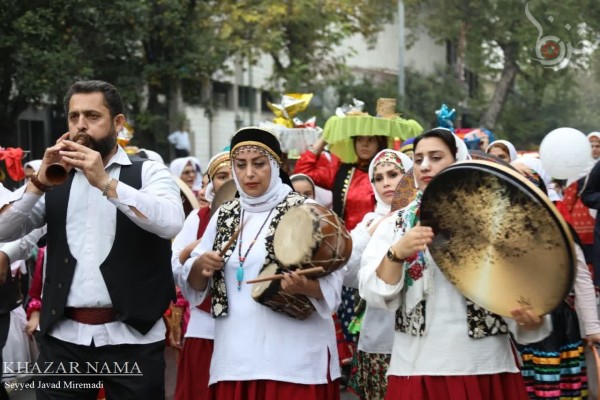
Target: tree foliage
x,y
510,45
151,48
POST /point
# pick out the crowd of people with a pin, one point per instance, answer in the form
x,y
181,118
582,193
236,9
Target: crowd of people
x,y
132,256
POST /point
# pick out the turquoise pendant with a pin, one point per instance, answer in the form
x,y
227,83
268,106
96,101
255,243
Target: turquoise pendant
x,y
240,276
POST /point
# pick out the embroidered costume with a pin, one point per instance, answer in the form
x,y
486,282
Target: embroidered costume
x,y
259,352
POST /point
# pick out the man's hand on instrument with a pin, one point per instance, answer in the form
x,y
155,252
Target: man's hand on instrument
x,y
414,240
52,156
293,283
87,160
526,318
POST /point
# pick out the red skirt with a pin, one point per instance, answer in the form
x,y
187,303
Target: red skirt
x,y
274,390
467,387
193,370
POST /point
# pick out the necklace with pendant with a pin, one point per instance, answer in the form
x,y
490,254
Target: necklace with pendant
x,y
240,270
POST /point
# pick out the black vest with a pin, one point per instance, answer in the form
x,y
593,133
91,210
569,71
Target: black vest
x,y
137,270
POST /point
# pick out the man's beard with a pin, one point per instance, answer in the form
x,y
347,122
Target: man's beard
x,y
105,145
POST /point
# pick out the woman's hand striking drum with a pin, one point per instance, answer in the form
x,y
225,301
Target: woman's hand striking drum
x,y
526,318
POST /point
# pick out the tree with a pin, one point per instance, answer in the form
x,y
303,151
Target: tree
x,y
301,36
502,40
45,46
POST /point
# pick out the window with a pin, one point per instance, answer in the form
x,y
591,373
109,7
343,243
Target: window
x,y
222,95
247,97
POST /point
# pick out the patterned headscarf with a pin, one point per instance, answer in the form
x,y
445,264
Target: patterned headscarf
x,y
387,156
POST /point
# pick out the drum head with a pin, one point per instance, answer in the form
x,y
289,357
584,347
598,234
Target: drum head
x,y
225,193
296,237
188,198
260,287
498,238
405,191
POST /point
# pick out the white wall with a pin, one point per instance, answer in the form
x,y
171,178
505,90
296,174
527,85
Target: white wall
x,y
422,55
223,128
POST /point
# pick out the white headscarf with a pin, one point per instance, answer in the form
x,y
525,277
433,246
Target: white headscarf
x,y
178,165
594,134
381,208
306,178
462,151
274,195
535,164
322,196
153,156
33,164
512,151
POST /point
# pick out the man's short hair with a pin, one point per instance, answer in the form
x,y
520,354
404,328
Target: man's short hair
x,y
112,98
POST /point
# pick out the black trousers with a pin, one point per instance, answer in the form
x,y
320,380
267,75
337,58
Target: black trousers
x,y
128,371
181,153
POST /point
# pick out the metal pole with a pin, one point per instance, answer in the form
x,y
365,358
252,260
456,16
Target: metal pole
x,y
237,82
401,50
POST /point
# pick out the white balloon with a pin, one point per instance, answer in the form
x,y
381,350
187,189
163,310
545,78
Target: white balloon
x,y
565,153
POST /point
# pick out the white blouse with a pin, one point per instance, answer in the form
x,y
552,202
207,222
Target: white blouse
x,y
585,297
445,349
377,329
254,342
201,324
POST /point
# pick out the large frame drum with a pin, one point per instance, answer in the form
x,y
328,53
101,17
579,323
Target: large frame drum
x,y
498,238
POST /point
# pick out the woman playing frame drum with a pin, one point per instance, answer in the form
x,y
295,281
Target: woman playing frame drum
x,y
437,354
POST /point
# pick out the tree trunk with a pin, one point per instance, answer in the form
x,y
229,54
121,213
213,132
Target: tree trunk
x,y
176,112
503,87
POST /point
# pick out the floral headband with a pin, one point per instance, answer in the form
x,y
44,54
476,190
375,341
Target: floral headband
x,y
388,157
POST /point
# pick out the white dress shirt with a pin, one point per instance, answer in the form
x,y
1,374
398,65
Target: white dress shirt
x,y
20,249
201,324
91,223
180,139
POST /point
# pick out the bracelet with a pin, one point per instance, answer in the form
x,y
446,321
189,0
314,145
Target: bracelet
x,y
107,186
36,182
391,255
